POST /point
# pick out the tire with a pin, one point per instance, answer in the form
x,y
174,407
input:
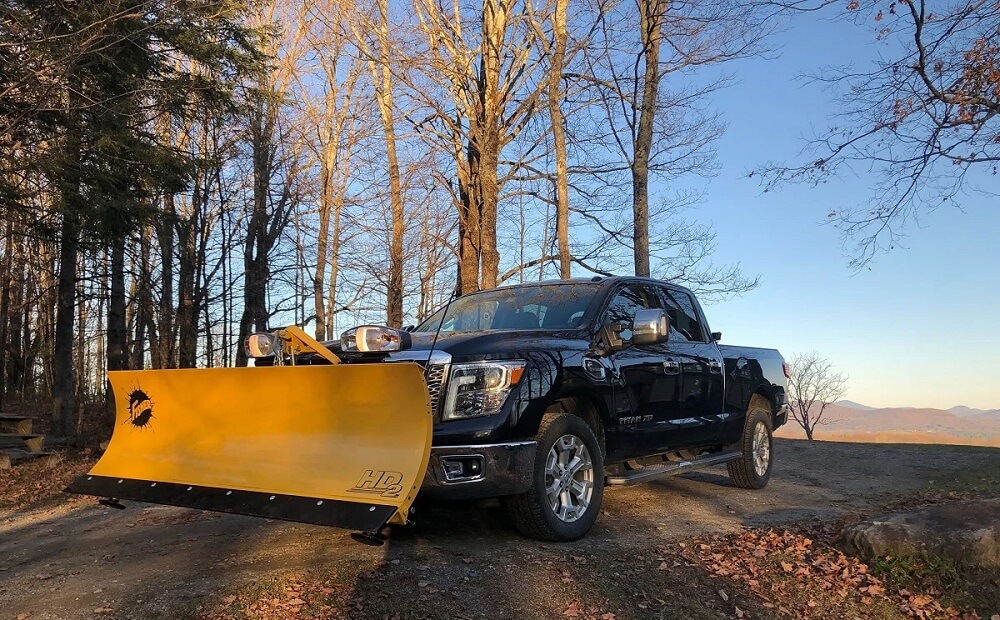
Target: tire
x,y
562,437
753,469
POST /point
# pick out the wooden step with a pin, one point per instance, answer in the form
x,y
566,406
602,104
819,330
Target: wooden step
x,y
32,443
10,423
10,457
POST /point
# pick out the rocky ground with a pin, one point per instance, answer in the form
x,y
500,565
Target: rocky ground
x,y
685,547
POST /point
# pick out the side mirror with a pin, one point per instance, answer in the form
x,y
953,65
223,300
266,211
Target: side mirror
x,y
650,326
716,336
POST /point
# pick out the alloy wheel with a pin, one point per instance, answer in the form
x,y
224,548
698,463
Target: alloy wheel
x,y
569,478
761,449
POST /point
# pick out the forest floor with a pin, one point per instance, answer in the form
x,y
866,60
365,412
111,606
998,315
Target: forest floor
x,y
692,547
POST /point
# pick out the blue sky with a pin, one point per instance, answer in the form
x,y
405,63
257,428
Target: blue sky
x,y
920,328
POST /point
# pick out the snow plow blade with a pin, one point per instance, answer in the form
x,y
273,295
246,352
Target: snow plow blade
x,y
341,445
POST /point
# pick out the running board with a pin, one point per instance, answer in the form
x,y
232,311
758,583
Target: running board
x,y
643,474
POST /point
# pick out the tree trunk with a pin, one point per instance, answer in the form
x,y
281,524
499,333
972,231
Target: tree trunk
x,y
488,137
468,233
334,267
651,26
488,199
256,268
64,381
187,319
559,137
117,327
165,235
467,160
382,76
19,329
322,252
144,328
8,282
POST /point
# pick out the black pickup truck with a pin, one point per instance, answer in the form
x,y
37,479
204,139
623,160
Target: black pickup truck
x,y
546,393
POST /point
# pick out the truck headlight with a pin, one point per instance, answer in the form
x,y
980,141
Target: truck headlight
x,y
262,345
374,338
479,389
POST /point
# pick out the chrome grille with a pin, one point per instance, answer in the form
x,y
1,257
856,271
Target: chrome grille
x,y
436,375
437,365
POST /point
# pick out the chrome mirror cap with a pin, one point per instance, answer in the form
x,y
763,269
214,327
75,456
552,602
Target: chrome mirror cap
x,y
650,326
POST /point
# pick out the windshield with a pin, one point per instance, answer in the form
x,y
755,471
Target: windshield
x,y
554,306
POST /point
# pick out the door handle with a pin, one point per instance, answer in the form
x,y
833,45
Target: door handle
x,y
714,366
671,367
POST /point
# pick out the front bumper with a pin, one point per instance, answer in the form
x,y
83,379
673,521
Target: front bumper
x,y
504,469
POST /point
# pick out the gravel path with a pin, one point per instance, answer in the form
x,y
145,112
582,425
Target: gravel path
x,y
75,559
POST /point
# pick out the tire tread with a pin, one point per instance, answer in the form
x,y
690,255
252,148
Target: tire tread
x,y
740,469
525,509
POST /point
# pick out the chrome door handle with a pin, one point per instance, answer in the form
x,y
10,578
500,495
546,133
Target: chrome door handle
x,y
715,366
671,367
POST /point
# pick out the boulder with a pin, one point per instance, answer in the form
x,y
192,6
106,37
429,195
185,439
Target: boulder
x,y
967,532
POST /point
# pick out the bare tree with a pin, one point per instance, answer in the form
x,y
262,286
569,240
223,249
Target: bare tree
x,y
649,121
922,119
814,384
476,71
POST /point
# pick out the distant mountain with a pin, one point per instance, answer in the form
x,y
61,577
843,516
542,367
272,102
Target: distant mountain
x,y
850,404
962,411
849,421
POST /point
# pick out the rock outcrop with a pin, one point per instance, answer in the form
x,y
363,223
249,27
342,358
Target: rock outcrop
x,y
967,532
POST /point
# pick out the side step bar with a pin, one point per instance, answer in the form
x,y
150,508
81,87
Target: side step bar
x,y
635,476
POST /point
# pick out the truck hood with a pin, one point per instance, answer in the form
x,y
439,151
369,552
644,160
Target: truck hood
x,y
499,343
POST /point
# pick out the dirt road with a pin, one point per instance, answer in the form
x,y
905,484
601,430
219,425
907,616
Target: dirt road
x,y
75,559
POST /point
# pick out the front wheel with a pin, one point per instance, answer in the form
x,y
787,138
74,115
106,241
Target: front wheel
x,y
567,482
753,469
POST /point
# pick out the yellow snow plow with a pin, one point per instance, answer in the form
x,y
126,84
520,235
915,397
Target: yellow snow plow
x,y
343,445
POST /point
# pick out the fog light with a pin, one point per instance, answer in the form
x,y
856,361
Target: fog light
x,y
464,468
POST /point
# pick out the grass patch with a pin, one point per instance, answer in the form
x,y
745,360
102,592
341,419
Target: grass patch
x,y
956,586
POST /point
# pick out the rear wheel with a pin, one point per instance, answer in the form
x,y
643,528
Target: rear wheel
x,y
567,482
753,469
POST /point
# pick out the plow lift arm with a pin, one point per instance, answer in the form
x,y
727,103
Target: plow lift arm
x,y
345,445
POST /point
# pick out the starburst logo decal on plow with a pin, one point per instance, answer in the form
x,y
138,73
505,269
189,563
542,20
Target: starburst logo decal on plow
x,y
140,409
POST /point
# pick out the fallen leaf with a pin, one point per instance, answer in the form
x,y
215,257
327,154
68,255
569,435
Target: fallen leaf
x,y
572,609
